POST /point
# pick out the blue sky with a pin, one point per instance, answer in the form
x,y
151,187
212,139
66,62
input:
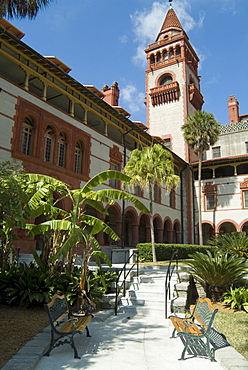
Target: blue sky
x,y
103,41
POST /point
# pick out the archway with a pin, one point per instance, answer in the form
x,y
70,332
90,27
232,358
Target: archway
x,y
144,229
227,227
207,232
130,229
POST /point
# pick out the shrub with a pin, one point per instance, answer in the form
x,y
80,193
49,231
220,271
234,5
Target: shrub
x,y
217,272
235,243
165,251
29,285
236,298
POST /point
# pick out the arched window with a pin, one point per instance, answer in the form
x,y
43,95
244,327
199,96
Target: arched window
x,y
49,144
178,50
171,52
78,158
166,80
61,150
152,59
27,136
165,54
158,57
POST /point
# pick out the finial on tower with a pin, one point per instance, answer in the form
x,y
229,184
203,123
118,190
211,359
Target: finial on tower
x,y
170,1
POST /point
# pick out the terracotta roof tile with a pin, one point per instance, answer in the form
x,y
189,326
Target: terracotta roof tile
x,y
171,21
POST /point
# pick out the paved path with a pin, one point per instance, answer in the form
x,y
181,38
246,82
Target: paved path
x,y
127,341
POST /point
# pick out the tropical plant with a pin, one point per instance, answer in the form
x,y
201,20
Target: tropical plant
x,y
22,8
217,272
149,167
235,243
201,131
236,298
70,231
11,212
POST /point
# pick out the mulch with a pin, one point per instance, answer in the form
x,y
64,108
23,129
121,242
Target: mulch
x,y
18,325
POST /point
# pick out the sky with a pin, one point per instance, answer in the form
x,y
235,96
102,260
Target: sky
x,y
104,40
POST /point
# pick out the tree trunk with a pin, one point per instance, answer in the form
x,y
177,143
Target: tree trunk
x,y
154,257
200,198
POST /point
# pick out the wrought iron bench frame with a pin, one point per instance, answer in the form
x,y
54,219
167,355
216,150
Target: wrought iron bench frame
x,y
197,333
64,324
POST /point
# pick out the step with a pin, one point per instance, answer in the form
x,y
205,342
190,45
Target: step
x,y
155,296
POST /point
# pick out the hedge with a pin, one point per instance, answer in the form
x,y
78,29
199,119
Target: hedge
x,y
165,251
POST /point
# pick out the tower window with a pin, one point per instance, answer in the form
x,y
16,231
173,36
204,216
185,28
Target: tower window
x,y
165,54
246,146
166,80
178,50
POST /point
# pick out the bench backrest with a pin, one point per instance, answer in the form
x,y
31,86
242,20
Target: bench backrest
x,y
204,312
56,308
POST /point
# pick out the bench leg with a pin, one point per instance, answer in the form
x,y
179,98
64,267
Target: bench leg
x,y
87,332
74,347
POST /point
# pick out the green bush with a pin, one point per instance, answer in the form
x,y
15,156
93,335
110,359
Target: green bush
x,y
236,298
165,251
29,285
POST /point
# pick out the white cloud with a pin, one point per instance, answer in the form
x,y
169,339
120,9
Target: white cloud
x,y
132,98
123,39
147,23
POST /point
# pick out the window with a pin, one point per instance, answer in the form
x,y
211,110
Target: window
x,y
49,145
172,199
245,198
165,55
27,136
156,193
210,202
246,146
137,190
166,80
216,152
78,158
167,143
61,150
113,182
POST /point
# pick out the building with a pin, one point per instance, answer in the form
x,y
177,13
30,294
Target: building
x,y
54,125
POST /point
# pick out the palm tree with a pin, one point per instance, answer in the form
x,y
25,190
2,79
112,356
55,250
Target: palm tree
x,y
22,8
148,167
200,132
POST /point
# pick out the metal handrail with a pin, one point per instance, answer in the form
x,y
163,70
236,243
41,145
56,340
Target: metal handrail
x,y
126,273
168,278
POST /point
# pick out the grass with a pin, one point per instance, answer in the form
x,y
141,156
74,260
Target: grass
x,y
235,327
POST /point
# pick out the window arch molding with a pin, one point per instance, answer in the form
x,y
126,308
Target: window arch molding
x,y
162,75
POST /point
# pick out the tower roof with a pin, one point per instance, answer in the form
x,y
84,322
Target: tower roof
x,y
171,22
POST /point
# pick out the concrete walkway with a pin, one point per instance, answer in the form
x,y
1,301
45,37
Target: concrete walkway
x,y
137,338
128,341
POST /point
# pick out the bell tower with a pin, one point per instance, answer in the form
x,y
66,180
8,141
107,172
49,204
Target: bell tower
x,y
172,84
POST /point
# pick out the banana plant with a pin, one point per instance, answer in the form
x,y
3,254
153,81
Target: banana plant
x,y
70,230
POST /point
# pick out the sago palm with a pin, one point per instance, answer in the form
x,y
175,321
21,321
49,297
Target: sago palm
x,y
147,167
235,243
200,132
217,272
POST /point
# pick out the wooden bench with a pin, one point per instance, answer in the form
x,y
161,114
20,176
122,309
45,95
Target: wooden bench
x,y
197,333
64,324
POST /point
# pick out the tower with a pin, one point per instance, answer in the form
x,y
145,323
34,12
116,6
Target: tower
x,y
172,84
